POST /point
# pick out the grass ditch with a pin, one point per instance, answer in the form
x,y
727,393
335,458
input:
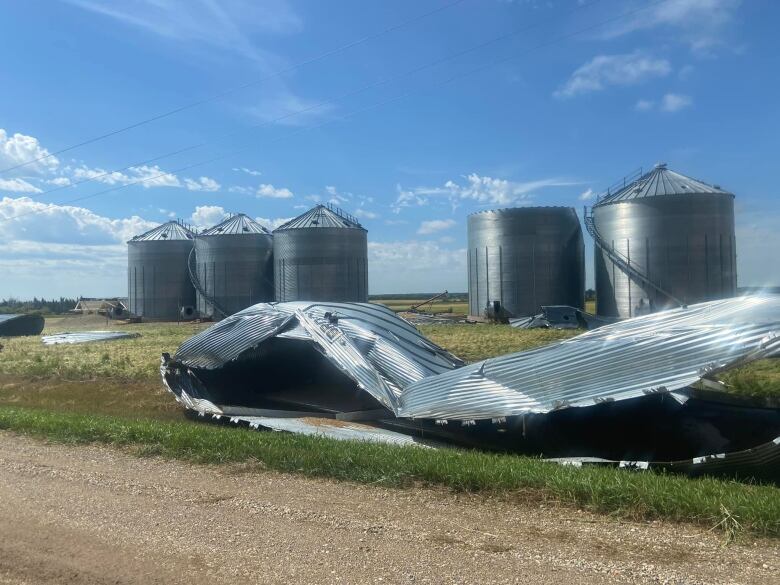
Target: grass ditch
x,y
709,502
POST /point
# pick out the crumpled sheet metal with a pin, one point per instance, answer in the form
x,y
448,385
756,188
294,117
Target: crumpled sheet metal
x,y
12,325
86,337
369,343
661,352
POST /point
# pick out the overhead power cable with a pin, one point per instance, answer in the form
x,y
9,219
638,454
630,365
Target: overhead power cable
x,y
313,107
238,88
381,103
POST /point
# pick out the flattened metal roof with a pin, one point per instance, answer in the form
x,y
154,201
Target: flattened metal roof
x,y
238,224
659,182
322,216
171,230
662,352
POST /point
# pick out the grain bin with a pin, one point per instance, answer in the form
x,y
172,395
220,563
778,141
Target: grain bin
x,y
524,258
662,240
321,255
158,280
234,266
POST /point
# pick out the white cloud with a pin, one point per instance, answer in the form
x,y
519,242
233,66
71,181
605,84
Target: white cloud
x,y
476,188
644,105
59,181
242,190
699,23
202,184
414,266
57,250
18,186
609,70
272,224
251,172
447,240
587,195
268,190
335,197
366,214
435,225
19,149
206,216
145,176
673,102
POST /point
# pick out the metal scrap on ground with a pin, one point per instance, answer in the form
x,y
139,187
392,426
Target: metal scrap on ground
x,y
86,337
631,382
21,325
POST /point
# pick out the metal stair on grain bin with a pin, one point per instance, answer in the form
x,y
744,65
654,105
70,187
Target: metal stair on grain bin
x,y
618,258
198,287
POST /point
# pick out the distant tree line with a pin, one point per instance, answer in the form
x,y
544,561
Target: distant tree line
x,y
36,305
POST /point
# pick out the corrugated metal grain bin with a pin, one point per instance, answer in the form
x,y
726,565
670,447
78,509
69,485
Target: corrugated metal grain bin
x,y
662,240
525,258
234,266
158,279
321,255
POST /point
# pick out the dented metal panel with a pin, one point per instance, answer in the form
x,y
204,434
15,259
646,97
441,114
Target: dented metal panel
x,y
86,337
654,353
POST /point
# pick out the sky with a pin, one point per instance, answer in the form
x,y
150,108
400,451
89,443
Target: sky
x,y
409,114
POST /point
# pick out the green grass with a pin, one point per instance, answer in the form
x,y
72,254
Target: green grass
x,y
617,492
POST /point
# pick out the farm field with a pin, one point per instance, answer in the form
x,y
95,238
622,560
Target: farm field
x,y
111,393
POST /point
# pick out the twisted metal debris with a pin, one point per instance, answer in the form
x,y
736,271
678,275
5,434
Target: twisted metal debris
x,y
381,369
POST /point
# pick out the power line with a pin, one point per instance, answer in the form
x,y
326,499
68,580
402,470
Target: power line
x,y
321,104
358,111
227,92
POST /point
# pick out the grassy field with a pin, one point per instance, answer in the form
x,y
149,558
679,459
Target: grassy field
x,y
111,393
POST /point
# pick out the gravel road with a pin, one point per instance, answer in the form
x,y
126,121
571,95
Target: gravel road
x,y
75,514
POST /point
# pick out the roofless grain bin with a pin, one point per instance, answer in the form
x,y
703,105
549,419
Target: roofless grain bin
x,y
158,280
234,266
524,258
321,255
662,240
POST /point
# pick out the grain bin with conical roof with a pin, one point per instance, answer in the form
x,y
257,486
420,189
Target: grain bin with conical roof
x,y
321,255
158,280
234,267
524,258
662,240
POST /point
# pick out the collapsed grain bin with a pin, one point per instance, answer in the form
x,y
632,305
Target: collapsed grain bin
x,y
321,255
234,267
158,280
520,259
662,240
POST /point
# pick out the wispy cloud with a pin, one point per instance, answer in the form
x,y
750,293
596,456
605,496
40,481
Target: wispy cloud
x,y
18,186
478,189
435,225
669,103
613,70
19,148
699,23
202,184
247,171
674,102
587,195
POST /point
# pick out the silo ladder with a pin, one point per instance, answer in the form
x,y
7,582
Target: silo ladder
x,y
622,261
193,269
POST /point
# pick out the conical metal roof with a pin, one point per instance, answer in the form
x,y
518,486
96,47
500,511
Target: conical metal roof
x,y
322,216
238,224
659,182
172,230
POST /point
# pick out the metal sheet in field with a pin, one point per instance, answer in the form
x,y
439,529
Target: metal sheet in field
x,y
86,337
661,352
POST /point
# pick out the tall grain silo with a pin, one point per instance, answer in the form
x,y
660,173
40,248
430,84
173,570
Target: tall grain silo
x,y
158,280
234,266
321,255
662,240
525,258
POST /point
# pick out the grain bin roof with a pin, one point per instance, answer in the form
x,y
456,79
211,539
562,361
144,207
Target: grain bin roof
x,y
322,216
172,230
658,182
236,225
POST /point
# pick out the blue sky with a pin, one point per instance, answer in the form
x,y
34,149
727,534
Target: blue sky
x,y
480,104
